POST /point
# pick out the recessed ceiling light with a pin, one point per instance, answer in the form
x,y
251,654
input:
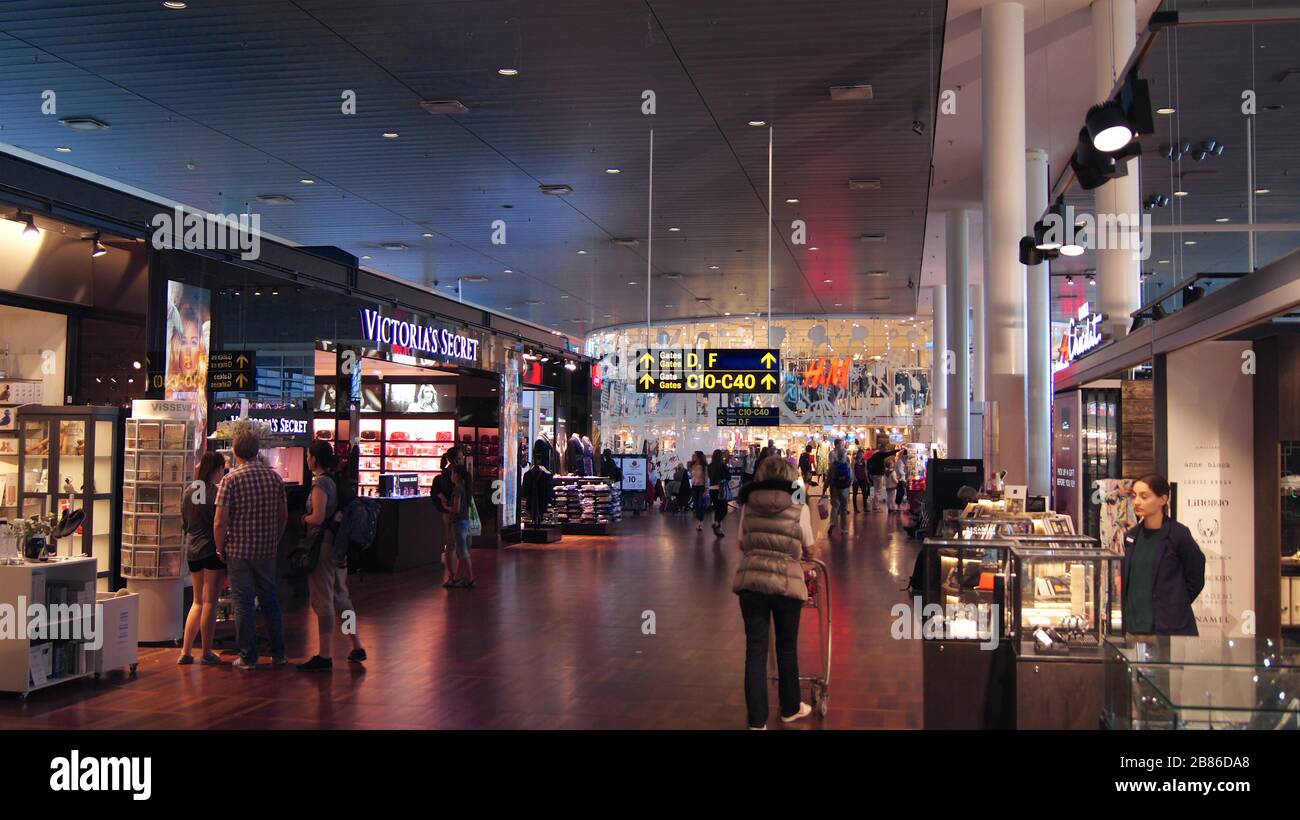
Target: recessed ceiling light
x,y
726,313
365,257
827,281
390,135
1222,219
792,200
1190,242
564,296
1263,190
63,149
392,246
532,301
631,283
758,123
1165,110
428,235
674,230
307,181
814,248
1180,193
713,267
839,304
667,306
275,199
175,5
560,189
507,270
581,251
613,170
83,124
609,316
508,72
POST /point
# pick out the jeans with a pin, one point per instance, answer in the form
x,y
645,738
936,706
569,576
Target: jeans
x,y
719,507
700,510
757,609
460,532
863,489
840,506
254,580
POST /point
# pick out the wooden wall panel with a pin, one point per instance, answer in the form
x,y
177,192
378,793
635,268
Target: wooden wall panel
x,y
1137,419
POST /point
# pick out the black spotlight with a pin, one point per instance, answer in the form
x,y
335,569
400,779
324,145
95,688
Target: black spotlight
x,y
1108,129
1029,254
1192,294
1092,167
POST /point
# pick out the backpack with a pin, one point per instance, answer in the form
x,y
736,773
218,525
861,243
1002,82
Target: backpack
x,y
841,476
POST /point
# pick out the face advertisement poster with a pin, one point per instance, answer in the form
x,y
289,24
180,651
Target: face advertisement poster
x,y
189,323
509,477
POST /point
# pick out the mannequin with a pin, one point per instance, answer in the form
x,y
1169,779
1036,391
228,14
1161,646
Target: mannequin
x,y
588,457
574,457
538,488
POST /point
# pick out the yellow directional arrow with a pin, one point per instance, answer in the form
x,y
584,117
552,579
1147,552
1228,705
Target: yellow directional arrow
x,y
647,380
241,380
647,358
768,359
768,381
241,360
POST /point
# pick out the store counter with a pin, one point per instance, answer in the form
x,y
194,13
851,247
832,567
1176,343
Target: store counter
x,y
408,534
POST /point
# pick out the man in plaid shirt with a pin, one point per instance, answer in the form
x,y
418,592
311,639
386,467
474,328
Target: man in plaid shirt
x,y
251,516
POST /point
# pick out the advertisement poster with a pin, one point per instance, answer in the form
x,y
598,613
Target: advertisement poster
x,y
634,473
189,323
1210,461
421,398
1067,497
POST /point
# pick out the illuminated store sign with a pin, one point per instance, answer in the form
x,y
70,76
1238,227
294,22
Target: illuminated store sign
x,y
1081,336
400,333
828,373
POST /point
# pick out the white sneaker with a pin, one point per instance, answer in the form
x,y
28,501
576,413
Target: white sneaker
x,y
758,728
804,711
240,663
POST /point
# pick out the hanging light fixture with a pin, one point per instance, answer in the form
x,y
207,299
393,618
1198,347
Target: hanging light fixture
x,y
31,231
98,248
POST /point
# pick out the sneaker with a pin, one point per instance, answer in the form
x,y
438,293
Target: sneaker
x,y
804,711
758,728
316,664
185,660
211,659
240,663
357,655
280,661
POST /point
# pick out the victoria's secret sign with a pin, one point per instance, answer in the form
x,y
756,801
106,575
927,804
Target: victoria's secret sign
x,y
1082,335
438,343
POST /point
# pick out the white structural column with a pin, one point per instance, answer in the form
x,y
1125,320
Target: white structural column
x,y
1119,269
978,356
940,388
1038,338
1003,71
956,356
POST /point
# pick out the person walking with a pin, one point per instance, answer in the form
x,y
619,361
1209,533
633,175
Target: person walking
x,y
891,484
719,477
250,519
1163,571
651,484
775,533
861,481
328,583
699,487
900,477
207,572
839,479
443,492
876,472
806,461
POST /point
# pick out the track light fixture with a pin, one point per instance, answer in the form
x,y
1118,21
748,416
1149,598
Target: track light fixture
x,y
31,231
97,249
1107,127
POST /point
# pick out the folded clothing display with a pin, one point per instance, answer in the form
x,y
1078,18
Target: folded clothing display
x,y
587,500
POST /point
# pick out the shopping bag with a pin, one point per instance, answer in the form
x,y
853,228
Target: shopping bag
x,y
475,524
824,507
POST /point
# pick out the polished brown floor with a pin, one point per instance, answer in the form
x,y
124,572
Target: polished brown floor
x,y
551,639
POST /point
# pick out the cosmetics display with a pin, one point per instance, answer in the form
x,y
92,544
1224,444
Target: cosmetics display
x,y
396,445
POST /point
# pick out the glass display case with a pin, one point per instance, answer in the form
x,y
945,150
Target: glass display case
x,y
1201,683
158,468
68,460
1064,601
963,590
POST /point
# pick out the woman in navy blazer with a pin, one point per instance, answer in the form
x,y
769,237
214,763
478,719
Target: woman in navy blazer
x,y
1163,553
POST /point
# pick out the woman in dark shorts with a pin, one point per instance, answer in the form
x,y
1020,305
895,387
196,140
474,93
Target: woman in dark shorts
x,y
198,509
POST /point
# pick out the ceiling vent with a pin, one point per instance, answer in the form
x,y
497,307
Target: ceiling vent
x,y
84,124
849,93
704,299
556,190
671,275
275,199
478,277
876,273
444,106
864,185
392,246
532,301
627,243
872,237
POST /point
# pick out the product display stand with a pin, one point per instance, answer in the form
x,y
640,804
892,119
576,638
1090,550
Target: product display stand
x,y
587,505
158,469
27,665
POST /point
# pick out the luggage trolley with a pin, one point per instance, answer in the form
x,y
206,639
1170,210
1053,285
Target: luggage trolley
x,y
819,599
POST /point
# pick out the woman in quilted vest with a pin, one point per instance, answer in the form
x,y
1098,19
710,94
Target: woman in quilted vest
x,y
775,533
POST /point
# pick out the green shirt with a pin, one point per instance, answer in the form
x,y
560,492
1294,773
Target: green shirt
x,y
1138,616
